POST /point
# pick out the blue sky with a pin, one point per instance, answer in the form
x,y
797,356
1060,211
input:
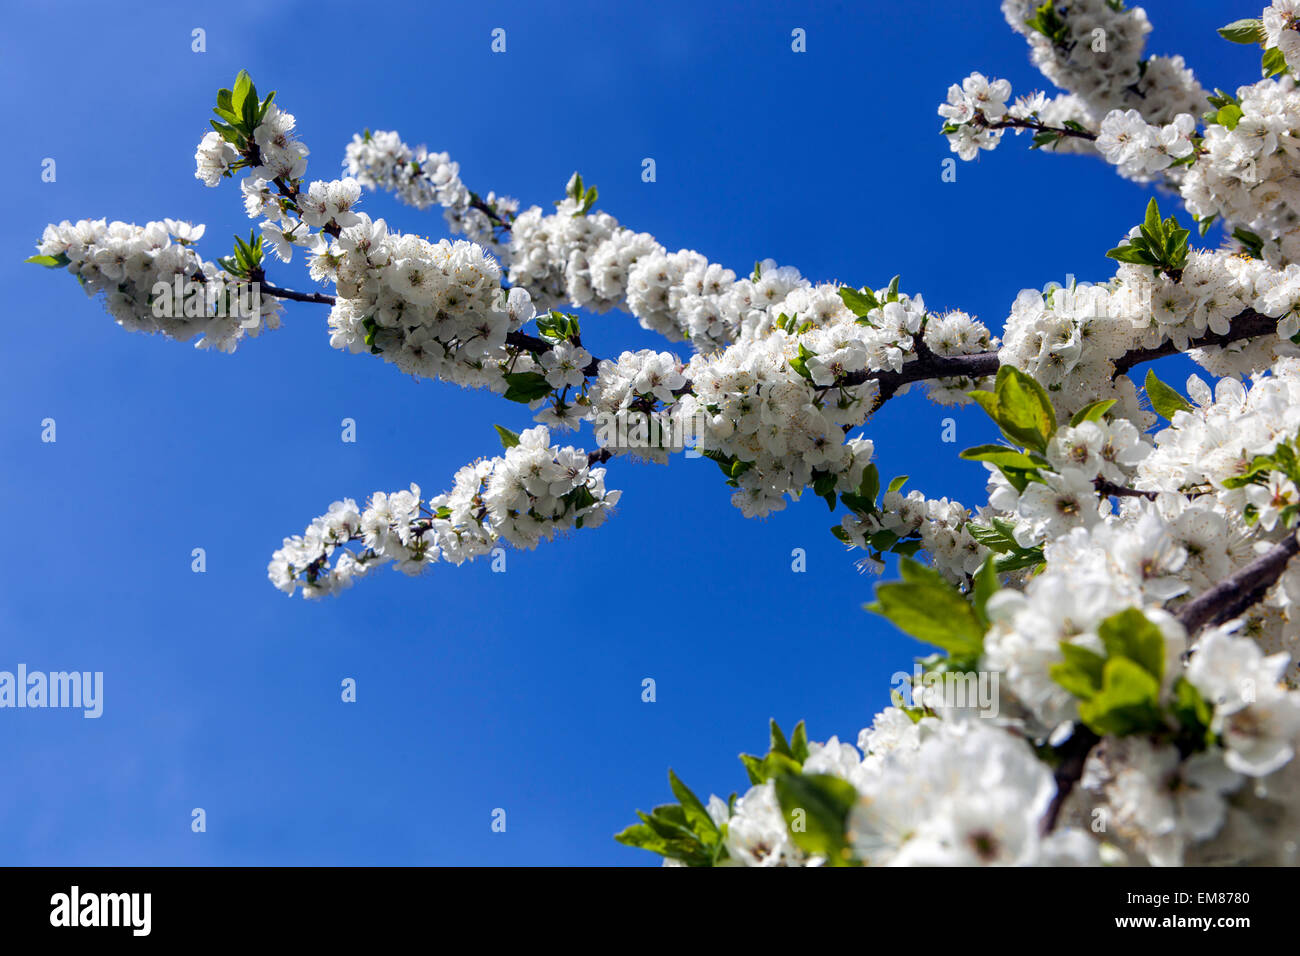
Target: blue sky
x,y
476,690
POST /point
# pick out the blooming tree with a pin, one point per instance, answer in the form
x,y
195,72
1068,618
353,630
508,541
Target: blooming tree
x,y
1128,585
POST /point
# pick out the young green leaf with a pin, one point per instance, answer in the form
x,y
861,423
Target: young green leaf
x,y
1247,32
1131,634
526,386
1164,400
509,439
816,809
1092,412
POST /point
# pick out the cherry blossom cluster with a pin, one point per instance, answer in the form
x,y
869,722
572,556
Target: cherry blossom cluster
x,y
138,267
1094,51
774,407
1127,590
419,178
1281,25
1069,338
1142,115
434,309
928,793
528,495
592,262
1141,150
1161,815
976,114
578,256
941,527
281,154
935,787
1244,174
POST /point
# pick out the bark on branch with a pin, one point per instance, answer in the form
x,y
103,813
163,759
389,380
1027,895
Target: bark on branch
x,y
1238,591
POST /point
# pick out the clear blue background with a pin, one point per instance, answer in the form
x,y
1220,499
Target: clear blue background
x,y
476,690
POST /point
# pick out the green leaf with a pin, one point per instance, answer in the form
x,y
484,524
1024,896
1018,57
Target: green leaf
x,y
240,94
558,326
869,487
1024,408
696,815
1081,673
754,768
1193,711
1164,400
779,744
509,439
859,303
1000,455
1273,63
579,498
774,764
929,609
1229,116
825,802
986,585
1020,559
228,133
1092,412
897,484
1127,703
799,743
914,572
800,362
1253,244
1130,634
526,386
265,107
1152,223
1138,255
987,401
50,262
1248,32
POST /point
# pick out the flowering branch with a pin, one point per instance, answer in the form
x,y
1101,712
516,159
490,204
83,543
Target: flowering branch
x,y
1237,592
1245,325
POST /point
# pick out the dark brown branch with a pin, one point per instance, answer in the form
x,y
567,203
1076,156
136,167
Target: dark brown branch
x,y
927,365
1109,489
1235,593
320,298
1245,325
1227,599
1074,754
1037,127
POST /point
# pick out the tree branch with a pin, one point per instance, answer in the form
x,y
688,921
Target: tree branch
x,y
1109,488
1245,325
1038,127
1238,591
1074,754
320,298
